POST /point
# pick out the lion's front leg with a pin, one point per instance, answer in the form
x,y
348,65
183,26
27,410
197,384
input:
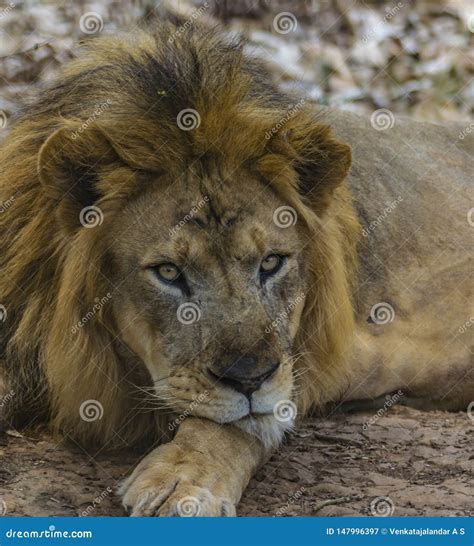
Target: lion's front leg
x,y
202,472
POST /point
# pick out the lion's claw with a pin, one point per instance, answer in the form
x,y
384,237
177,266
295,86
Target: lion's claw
x,y
164,492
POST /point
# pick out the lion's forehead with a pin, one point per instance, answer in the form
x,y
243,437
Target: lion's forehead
x,y
239,214
221,202
222,247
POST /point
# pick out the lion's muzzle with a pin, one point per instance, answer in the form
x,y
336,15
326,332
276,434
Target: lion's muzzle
x,y
245,374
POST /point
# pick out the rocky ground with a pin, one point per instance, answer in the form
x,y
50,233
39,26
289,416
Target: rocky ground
x,y
406,463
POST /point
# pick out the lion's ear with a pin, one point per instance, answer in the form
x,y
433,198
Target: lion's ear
x,y
69,164
322,163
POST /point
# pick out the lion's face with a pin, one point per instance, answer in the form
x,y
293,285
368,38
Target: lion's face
x,y
211,288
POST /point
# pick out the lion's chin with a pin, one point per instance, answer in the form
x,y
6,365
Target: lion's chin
x,y
236,409
265,427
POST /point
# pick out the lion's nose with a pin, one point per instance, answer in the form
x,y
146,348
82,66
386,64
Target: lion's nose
x,y
245,375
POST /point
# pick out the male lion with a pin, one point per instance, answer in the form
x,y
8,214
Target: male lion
x,y
182,255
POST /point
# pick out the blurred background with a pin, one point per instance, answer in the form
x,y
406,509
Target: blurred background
x,y
412,57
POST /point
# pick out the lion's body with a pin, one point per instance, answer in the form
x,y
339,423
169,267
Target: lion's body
x,y
412,186
54,270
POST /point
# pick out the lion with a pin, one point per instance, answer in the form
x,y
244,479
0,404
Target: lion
x,y
189,263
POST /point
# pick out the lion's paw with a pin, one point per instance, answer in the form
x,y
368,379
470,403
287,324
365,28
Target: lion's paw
x,y
167,493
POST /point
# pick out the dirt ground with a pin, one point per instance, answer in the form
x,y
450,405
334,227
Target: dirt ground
x,y
405,463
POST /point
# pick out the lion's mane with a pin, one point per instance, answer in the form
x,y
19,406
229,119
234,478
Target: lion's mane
x,y
115,110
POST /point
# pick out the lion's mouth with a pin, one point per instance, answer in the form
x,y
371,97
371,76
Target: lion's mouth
x,y
228,406
282,412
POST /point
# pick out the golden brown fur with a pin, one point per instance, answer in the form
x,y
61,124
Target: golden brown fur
x,y
51,284
106,135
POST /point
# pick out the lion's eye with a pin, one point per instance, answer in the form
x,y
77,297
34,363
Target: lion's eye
x,y
171,274
168,272
270,265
